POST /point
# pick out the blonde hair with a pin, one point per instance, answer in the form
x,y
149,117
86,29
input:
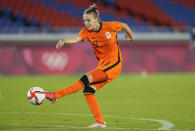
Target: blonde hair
x,y
92,10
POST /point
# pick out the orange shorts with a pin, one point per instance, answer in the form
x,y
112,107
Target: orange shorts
x,y
112,70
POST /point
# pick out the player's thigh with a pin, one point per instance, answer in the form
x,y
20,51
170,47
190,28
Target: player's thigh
x,y
114,72
99,84
98,75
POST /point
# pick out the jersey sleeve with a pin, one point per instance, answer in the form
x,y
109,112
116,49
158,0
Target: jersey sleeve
x,y
116,26
82,34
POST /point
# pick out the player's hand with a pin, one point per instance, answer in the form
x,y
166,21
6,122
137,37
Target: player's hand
x,y
127,36
59,44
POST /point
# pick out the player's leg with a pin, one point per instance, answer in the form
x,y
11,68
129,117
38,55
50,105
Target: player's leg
x,y
91,77
77,86
97,76
112,73
93,104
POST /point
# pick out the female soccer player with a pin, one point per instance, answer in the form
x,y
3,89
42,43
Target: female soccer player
x,y
102,37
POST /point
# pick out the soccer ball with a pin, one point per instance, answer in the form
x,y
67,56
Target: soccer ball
x,y
36,96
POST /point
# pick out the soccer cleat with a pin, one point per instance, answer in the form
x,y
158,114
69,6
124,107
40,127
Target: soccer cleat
x,y
97,125
50,96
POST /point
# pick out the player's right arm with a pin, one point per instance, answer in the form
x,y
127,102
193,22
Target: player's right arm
x,y
71,40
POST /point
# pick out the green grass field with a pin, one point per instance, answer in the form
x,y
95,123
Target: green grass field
x,y
128,103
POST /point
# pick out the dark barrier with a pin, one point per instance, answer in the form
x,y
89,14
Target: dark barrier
x,y
21,59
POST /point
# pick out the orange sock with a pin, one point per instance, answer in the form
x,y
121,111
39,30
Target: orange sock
x,y
94,107
69,90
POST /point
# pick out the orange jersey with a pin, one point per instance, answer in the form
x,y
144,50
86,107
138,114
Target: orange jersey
x,y
104,41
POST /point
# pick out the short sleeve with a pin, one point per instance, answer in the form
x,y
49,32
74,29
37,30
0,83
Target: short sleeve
x,y
116,26
82,34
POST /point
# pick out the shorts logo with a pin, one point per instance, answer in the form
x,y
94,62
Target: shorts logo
x,y
106,64
108,35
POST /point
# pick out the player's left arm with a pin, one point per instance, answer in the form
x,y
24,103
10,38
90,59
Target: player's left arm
x,y
129,34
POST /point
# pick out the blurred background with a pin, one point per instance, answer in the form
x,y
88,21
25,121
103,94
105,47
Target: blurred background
x,y
29,30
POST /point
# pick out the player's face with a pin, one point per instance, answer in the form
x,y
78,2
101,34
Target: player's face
x,y
90,21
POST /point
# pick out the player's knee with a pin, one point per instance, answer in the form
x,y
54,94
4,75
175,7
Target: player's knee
x,y
89,90
84,79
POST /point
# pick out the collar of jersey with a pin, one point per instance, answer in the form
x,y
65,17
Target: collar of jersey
x,y
100,27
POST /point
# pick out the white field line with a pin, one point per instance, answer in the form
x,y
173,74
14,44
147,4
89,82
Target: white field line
x,y
166,125
76,127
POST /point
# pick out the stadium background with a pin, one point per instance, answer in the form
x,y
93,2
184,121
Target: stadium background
x,y
163,53
29,30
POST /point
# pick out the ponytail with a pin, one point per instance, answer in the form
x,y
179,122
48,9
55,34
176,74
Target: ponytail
x,y
92,10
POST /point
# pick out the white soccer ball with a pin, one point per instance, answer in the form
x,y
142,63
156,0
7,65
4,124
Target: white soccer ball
x,y
36,96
